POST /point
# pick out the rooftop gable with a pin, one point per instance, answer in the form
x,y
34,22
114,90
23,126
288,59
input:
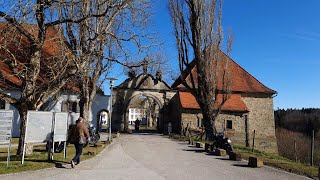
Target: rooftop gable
x,y
241,80
234,102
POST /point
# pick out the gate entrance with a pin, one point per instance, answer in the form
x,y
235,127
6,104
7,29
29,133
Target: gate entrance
x,y
145,110
143,97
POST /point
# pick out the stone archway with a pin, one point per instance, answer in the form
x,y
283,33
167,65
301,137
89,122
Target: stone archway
x,y
146,85
150,117
99,123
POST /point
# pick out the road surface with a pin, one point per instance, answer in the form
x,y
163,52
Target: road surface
x,y
153,157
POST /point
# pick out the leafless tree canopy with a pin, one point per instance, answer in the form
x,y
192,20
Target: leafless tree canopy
x,y
101,41
199,36
44,43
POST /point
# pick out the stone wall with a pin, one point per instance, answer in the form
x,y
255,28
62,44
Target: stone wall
x,y
174,114
261,116
260,119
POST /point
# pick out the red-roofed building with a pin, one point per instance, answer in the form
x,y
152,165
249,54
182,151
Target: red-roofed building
x,y
14,48
249,107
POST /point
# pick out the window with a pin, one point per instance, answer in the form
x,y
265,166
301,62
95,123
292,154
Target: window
x,y
74,107
2,104
229,124
199,122
70,107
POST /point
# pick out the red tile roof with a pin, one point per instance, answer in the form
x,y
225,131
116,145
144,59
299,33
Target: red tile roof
x,y
242,81
233,103
54,48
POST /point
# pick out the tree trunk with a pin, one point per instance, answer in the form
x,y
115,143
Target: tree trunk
x,y
23,123
86,111
208,121
86,102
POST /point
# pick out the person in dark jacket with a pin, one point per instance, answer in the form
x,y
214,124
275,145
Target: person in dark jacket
x,y
79,135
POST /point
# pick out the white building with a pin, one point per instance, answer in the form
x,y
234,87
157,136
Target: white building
x,y
65,103
136,113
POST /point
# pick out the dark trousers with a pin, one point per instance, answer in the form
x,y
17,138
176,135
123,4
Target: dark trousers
x,y
79,148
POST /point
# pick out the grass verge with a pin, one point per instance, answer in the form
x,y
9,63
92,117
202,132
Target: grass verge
x,y
273,160
278,161
38,160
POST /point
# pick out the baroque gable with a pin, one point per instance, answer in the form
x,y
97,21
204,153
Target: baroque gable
x,y
144,82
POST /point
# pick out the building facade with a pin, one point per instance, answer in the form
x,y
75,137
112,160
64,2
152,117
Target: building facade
x,y
247,113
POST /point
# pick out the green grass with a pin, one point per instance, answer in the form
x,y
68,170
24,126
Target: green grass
x,y
144,127
38,160
278,161
15,141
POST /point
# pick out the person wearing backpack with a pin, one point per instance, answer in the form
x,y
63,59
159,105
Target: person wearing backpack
x,y
79,135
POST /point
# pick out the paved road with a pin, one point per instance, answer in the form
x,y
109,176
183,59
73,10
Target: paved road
x,y
148,156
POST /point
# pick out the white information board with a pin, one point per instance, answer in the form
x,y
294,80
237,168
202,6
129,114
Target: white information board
x,y
6,117
60,126
39,126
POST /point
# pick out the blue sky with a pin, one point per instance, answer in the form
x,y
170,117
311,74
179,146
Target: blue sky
x,y
277,41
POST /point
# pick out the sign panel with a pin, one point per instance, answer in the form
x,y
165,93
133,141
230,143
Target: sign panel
x,y
39,126
60,126
5,126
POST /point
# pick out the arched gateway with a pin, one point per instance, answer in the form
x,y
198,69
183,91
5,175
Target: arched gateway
x,y
144,85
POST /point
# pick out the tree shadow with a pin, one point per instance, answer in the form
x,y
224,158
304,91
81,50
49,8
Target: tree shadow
x,y
12,158
195,150
39,150
241,165
60,166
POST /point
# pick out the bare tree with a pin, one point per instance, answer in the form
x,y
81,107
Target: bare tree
x,y
34,67
38,61
199,35
103,40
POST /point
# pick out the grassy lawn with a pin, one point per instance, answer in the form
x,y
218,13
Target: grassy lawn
x,y
38,160
144,127
15,141
280,162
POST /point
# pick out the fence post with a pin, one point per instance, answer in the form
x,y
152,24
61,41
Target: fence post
x,y
295,150
319,172
312,148
254,136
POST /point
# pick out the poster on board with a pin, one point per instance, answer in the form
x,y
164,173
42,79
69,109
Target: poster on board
x,y
60,126
38,127
6,117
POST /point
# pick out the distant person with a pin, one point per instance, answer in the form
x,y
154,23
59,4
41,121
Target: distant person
x,y
136,125
79,135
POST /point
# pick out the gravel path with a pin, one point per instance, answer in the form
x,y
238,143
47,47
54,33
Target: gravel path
x,y
152,156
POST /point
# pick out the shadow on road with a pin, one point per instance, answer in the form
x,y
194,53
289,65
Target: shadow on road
x,y
60,165
145,132
241,165
195,150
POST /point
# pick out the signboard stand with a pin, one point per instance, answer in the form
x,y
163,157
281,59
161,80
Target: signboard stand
x,y
8,158
38,128
60,130
6,117
24,151
44,126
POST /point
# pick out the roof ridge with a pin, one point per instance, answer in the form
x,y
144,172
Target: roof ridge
x,y
247,72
